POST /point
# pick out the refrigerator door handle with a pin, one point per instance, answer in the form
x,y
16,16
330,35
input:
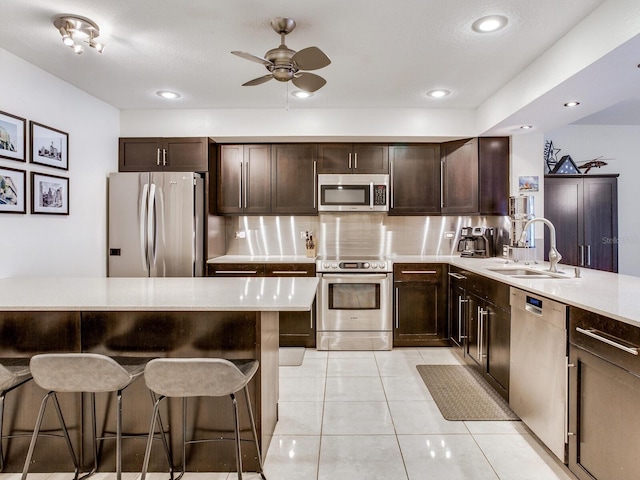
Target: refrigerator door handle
x,y
151,237
143,215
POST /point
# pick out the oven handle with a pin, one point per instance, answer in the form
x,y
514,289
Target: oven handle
x,y
355,275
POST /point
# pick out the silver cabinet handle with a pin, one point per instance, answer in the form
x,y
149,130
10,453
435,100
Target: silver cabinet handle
x,y
442,183
315,184
246,182
419,272
158,156
458,276
237,272
593,333
396,309
479,356
164,157
349,160
460,302
355,160
289,272
588,255
240,184
581,249
371,195
391,181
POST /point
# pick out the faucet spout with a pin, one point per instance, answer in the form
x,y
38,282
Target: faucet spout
x,y
554,255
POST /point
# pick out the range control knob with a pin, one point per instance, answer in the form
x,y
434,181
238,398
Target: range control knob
x,y
326,265
381,265
334,265
365,265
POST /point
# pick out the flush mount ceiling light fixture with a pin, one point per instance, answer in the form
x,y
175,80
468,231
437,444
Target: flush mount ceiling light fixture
x,y
490,23
75,29
438,93
169,95
526,127
572,104
301,94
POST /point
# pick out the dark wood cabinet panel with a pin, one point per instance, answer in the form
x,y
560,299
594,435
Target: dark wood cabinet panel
x,y
584,210
457,313
415,179
235,269
493,164
460,177
293,179
420,305
188,154
353,158
244,179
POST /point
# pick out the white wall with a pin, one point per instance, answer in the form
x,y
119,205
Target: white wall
x,y
619,146
55,245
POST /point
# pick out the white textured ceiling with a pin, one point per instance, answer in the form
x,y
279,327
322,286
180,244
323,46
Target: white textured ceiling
x,y
385,54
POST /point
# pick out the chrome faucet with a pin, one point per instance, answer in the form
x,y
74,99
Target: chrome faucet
x,y
554,254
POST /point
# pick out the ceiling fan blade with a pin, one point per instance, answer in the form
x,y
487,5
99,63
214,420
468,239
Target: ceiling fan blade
x,y
309,82
253,58
311,58
258,81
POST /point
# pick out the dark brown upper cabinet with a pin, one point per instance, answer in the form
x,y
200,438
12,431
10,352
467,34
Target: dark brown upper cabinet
x,y
353,158
244,179
293,179
415,179
188,154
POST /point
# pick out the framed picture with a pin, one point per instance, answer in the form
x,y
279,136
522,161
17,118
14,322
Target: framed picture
x,y
49,194
13,132
13,184
49,146
528,183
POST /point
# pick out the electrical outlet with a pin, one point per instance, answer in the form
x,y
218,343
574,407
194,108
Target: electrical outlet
x,y
449,235
241,234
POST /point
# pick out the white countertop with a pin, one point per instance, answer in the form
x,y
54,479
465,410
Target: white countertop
x,y
157,294
262,259
609,294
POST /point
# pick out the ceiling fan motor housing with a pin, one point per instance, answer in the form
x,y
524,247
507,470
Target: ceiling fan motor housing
x,y
282,67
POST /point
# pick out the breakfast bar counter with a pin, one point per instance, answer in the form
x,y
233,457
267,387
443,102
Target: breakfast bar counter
x,y
146,317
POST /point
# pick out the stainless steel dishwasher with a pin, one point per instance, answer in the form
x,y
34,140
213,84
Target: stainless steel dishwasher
x,y
538,370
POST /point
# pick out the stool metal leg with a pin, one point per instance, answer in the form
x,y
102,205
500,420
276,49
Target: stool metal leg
x,y
163,437
1,426
254,431
237,429
147,453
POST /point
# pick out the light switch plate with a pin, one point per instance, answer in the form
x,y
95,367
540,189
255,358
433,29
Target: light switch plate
x,y
241,234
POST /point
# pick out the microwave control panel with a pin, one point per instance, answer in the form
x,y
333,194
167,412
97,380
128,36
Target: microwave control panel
x,y
379,194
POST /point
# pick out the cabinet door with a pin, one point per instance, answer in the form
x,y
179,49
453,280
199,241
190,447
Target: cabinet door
x,y
370,158
600,212
563,207
140,154
420,305
335,158
460,177
185,154
457,314
493,163
229,178
257,179
497,332
415,179
293,187
473,340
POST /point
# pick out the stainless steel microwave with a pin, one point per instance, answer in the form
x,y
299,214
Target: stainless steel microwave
x,y
353,192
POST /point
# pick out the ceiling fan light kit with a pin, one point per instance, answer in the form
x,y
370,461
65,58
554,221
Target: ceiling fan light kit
x,y
74,29
287,65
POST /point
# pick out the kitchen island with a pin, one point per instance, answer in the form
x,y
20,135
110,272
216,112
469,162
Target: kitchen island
x,y
146,317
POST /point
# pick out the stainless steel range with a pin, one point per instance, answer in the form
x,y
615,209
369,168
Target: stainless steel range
x,y
354,303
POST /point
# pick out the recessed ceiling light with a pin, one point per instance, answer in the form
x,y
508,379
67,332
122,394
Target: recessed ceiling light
x,y
572,104
168,94
526,127
301,94
438,93
490,23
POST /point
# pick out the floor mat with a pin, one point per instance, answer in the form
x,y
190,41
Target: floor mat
x,y
462,394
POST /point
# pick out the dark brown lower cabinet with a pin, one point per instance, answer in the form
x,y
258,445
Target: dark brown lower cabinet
x,y
604,395
297,329
420,309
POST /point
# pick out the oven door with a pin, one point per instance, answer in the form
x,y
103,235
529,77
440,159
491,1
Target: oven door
x,y
355,302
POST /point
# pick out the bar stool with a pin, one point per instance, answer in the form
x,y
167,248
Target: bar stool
x,y
85,373
13,373
201,377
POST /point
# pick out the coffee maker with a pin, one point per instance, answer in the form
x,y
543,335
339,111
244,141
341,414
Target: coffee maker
x,y
476,242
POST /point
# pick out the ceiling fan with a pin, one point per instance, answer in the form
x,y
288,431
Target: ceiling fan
x,y
285,64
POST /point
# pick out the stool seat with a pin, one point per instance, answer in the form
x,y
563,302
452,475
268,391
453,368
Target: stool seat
x,y
13,373
201,377
85,373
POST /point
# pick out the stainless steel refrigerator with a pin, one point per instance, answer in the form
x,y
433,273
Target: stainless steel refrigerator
x,y
156,224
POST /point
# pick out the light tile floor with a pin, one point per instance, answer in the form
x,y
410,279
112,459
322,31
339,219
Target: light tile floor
x,y
368,415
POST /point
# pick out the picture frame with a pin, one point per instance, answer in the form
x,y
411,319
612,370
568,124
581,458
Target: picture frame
x,y
13,190
49,194
49,146
528,183
13,135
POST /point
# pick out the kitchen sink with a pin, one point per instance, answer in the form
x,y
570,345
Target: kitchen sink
x,y
526,273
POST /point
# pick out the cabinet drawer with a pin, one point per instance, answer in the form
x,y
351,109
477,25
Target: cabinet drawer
x,y
235,269
614,341
290,269
417,272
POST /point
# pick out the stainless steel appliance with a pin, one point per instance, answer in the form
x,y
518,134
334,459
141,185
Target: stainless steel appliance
x,y
476,242
538,369
353,192
156,224
521,210
354,304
